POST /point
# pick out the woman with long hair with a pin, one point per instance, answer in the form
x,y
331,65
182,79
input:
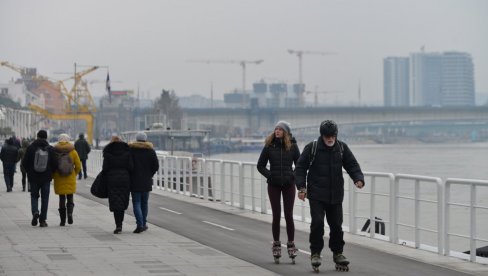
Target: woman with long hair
x,y
281,151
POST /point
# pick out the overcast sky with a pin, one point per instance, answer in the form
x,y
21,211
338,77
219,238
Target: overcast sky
x,y
150,42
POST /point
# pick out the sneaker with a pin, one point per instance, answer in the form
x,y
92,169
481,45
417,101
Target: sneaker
x,y
42,223
138,230
35,217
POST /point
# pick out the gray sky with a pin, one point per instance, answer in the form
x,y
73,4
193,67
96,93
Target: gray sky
x,y
149,42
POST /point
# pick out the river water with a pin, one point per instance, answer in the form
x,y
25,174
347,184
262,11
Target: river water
x,y
467,161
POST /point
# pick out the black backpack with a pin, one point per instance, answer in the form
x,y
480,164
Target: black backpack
x,y
313,151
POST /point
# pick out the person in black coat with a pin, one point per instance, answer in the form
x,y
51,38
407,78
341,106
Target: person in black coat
x,y
281,151
319,178
83,149
40,181
117,167
9,156
146,164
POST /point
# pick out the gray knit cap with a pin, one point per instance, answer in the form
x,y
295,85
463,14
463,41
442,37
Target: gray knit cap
x,y
284,125
141,136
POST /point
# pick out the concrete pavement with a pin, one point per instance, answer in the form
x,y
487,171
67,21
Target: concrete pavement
x,y
89,247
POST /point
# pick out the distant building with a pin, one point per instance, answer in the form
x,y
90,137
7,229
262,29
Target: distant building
x,y
396,81
457,79
431,79
18,92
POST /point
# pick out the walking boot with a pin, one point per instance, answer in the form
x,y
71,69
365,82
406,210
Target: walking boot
x,y
70,207
62,215
118,229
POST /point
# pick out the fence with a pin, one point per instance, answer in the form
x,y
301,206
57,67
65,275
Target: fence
x,y
411,210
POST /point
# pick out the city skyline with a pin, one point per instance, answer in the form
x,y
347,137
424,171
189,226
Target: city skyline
x,y
147,46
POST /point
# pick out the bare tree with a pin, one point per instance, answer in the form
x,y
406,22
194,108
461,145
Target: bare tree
x,y
168,105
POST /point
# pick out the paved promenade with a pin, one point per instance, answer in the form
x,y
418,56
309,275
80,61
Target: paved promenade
x,y
88,247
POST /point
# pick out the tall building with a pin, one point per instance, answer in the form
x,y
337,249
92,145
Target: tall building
x,y
425,79
441,79
396,81
457,79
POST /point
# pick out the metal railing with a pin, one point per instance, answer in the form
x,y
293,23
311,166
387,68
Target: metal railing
x,y
415,203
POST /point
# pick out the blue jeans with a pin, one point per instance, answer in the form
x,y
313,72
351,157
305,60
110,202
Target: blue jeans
x,y
44,188
139,205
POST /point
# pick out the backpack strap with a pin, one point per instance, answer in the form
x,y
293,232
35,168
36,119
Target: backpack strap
x,y
313,151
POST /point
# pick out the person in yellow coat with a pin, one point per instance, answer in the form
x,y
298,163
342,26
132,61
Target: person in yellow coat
x,y
69,165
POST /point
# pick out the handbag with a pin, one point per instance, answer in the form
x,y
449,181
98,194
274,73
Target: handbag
x,y
99,187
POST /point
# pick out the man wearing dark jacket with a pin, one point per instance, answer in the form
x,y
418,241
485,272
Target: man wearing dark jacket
x,y
39,176
83,149
9,157
146,164
319,178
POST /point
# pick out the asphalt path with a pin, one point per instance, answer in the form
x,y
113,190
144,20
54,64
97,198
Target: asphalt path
x,y
250,240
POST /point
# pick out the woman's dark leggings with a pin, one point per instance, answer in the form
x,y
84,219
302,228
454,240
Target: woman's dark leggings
x,y
62,201
274,193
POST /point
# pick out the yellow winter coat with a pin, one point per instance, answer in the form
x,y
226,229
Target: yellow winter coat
x,y
65,185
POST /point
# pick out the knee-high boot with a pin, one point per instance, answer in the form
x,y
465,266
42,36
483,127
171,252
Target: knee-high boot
x,y
62,215
70,207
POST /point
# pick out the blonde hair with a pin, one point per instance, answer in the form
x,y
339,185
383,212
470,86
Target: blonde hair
x,y
286,140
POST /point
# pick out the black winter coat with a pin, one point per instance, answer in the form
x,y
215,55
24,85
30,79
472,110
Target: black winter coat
x,y
9,154
82,148
325,181
280,160
117,166
146,164
28,162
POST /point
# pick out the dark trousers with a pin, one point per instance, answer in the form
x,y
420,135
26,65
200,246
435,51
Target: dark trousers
x,y
83,164
119,218
24,181
8,175
274,193
333,212
62,201
44,189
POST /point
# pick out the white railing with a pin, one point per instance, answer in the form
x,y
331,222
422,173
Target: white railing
x,y
412,210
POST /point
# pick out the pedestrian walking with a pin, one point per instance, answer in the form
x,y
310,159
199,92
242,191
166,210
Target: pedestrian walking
x,y
69,165
39,162
22,150
83,149
117,167
319,178
281,151
146,164
9,156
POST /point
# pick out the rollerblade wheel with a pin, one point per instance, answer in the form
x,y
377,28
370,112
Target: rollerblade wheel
x,y
277,260
342,268
293,260
316,269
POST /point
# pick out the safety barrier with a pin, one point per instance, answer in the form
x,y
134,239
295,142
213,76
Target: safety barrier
x,y
412,210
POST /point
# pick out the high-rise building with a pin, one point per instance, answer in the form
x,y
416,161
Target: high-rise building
x,y
425,79
396,81
441,79
457,79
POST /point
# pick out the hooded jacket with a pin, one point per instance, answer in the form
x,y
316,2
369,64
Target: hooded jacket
x,y
146,164
10,153
28,162
22,151
82,148
117,167
324,181
65,185
280,160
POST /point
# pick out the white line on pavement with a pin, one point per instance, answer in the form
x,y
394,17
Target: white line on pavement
x,y
218,225
171,211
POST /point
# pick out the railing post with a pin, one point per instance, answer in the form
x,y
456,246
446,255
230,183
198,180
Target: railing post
x,y
472,220
392,208
190,175
231,184
396,210
447,198
417,215
372,217
241,185
253,192
205,180
222,181
440,217
352,208
264,208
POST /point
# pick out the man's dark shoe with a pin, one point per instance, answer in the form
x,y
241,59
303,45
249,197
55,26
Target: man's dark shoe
x,y
138,230
144,228
42,223
35,217
118,230
86,177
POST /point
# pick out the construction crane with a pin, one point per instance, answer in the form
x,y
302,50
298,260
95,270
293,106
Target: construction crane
x,y
299,54
79,102
242,63
316,96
